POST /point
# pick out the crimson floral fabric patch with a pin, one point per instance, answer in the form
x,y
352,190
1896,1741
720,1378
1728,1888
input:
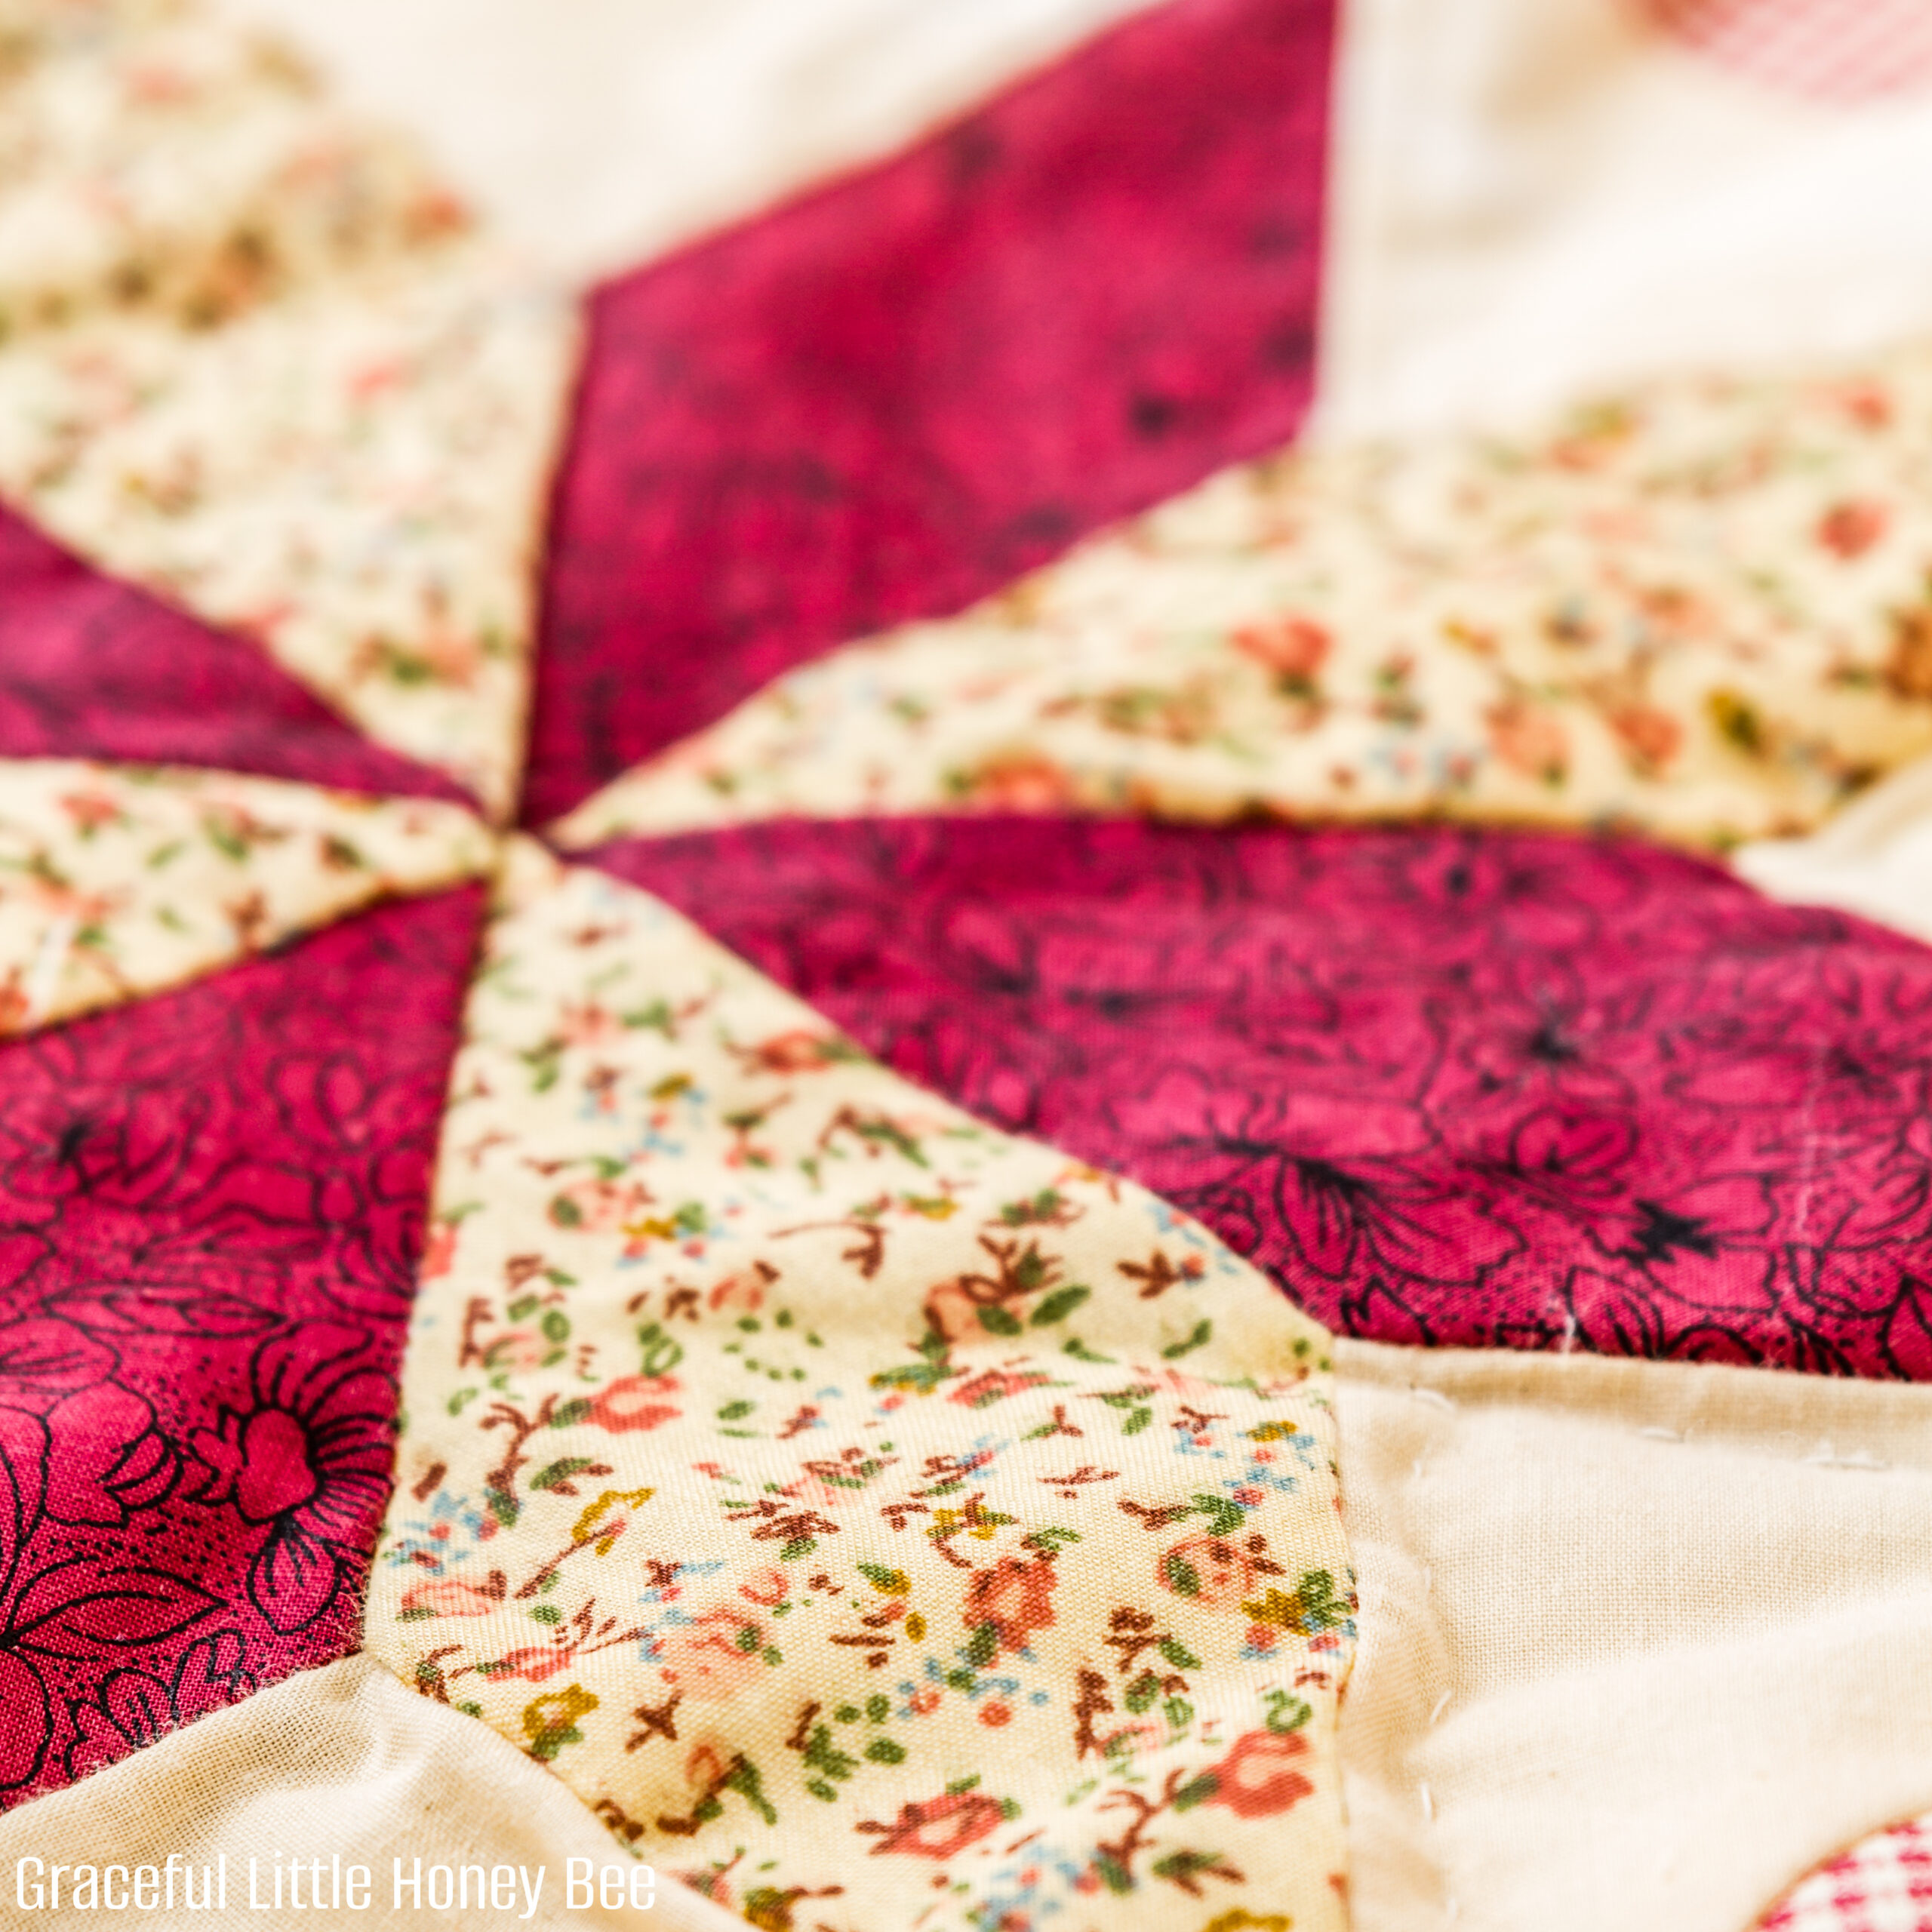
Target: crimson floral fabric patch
x,y
211,1209
1446,1086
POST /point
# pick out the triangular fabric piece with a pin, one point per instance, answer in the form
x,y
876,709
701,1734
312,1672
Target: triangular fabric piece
x,y
1700,609
850,1503
93,667
277,385
885,401
115,881
1454,1088
211,1211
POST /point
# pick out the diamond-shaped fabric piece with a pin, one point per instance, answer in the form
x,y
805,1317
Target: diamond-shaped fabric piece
x,y
858,1501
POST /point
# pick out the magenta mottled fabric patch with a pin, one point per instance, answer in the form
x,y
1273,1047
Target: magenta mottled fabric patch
x,y
93,667
1448,1087
887,400
211,1210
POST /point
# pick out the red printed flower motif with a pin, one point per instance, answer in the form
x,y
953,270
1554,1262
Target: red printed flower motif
x,y
42,1357
311,1461
106,1457
633,1402
1015,1597
768,1587
538,1663
1651,736
1258,1778
938,1828
587,1024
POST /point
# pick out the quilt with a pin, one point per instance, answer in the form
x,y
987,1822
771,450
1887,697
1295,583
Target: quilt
x,y
963,968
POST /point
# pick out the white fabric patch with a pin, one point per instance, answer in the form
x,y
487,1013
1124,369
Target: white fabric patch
x,y
601,132
1534,197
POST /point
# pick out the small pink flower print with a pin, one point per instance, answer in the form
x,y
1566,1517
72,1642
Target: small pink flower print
x,y
715,1656
537,1663
1294,648
588,1025
804,1050
1867,404
744,1291
450,658
519,1348
448,1597
1209,1571
768,1587
439,1251
1528,739
634,1403
939,1828
952,1310
599,1207
1652,737
1021,782
1848,530
1144,1734
89,811
1258,1778
1015,1597
993,1385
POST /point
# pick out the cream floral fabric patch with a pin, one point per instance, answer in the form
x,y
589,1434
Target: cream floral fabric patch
x,y
251,362
154,159
116,880
876,1520
1705,611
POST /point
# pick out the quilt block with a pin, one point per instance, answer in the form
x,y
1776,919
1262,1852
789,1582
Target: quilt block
x,y
998,1005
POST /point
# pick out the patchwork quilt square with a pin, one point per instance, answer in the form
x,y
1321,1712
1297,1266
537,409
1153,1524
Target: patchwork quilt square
x,y
964,970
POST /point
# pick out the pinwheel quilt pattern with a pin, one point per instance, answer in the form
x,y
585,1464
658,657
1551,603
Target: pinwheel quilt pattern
x,y
966,969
